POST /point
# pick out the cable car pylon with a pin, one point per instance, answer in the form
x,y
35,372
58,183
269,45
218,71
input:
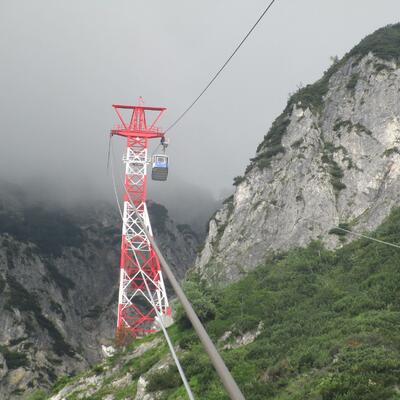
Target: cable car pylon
x,y
140,273
140,255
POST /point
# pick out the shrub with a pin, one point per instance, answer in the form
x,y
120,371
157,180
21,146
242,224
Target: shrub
x,y
98,369
297,143
311,96
340,232
2,284
202,301
158,215
237,180
187,341
274,136
38,395
336,171
165,379
228,200
14,359
361,128
351,84
61,383
382,67
342,124
391,151
384,43
337,184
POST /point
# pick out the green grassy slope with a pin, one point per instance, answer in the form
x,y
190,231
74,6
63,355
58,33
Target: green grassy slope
x,y
331,324
331,327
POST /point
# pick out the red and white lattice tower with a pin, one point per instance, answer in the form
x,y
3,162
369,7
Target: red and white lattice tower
x,y
139,267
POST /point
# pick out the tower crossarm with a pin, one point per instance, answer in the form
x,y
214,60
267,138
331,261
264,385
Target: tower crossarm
x,y
138,121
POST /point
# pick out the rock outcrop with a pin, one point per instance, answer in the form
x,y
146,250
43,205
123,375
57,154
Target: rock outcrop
x,y
331,159
59,286
178,242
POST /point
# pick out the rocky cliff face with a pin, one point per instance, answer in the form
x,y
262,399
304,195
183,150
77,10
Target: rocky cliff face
x,y
178,242
58,286
332,158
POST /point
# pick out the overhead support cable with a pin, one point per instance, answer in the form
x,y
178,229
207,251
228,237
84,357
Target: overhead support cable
x,y
361,235
159,318
221,68
227,379
110,162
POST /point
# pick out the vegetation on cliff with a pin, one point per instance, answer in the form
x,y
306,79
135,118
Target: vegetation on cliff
x,y
384,43
329,327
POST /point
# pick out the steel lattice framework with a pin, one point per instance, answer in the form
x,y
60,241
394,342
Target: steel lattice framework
x,y
141,287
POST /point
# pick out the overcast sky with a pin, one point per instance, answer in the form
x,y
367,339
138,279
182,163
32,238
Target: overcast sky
x,y
63,63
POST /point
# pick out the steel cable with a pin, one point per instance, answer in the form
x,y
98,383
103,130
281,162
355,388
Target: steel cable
x,y
217,361
159,317
221,68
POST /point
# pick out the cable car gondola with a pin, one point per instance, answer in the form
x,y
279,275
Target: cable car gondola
x,y
159,170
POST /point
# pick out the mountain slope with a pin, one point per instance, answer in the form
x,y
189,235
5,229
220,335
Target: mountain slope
x,y
306,325
332,157
313,320
59,283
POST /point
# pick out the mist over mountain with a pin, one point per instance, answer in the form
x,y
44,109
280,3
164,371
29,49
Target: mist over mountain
x,y
187,203
298,308
194,207
59,270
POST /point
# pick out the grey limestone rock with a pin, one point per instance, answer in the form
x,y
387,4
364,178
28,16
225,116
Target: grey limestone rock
x,y
340,163
59,285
